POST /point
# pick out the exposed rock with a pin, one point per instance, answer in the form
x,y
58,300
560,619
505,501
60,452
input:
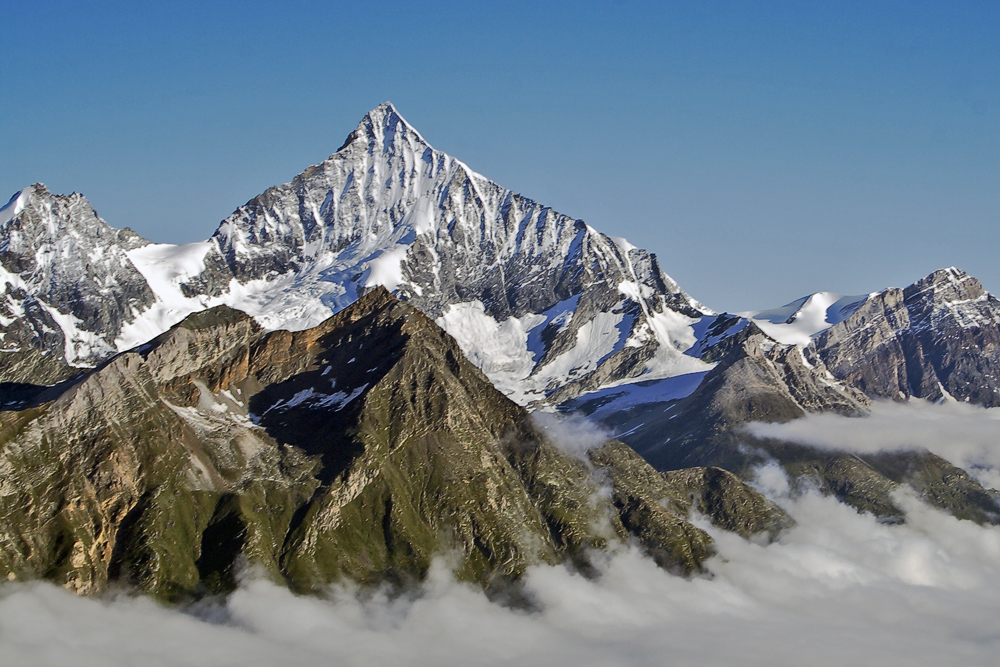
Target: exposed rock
x,y
361,448
939,338
726,500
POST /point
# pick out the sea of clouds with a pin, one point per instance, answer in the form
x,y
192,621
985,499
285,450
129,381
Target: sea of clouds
x,y
838,588
966,435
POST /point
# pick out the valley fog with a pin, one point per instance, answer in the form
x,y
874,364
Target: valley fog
x,y
839,587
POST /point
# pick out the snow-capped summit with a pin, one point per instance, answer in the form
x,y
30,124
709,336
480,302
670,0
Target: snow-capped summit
x,y
69,286
537,299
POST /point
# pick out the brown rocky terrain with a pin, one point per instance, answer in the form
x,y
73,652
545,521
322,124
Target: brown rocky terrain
x,y
361,448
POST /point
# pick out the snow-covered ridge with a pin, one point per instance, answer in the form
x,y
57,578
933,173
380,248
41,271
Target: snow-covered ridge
x,y
535,298
547,306
798,322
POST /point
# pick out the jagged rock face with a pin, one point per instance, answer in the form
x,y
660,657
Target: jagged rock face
x,y
69,284
537,300
388,209
940,336
362,447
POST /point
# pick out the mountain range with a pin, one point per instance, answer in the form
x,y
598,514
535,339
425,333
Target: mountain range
x,y
340,382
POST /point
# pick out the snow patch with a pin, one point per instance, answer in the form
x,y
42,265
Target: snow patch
x,y
387,268
337,400
595,341
13,207
499,349
165,267
798,322
82,348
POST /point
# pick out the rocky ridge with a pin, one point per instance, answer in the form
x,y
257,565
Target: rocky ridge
x,y
69,286
309,458
553,312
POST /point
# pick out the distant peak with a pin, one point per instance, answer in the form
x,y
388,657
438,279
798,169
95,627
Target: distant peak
x,y
948,284
384,120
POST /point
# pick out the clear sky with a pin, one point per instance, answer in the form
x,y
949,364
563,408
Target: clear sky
x,y
763,150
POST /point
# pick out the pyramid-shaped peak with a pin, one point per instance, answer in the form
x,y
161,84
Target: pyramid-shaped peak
x,y
383,123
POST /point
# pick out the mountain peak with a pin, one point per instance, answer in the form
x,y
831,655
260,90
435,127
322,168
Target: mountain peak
x,y
950,284
384,125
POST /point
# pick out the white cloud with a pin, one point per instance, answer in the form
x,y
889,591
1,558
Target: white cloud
x,y
966,435
573,434
838,588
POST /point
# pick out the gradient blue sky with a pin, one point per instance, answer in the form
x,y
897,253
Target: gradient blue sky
x,y
763,150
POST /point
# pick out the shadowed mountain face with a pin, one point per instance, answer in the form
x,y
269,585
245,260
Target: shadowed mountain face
x,y
362,447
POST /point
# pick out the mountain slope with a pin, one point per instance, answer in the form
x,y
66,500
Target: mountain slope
x,y
539,301
360,448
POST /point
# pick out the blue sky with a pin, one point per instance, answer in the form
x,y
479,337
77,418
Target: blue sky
x,y
763,150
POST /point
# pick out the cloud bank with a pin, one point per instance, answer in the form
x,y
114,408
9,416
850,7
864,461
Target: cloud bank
x,y
839,588
966,435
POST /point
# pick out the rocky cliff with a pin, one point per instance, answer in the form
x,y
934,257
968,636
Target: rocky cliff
x,y
938,338
362,448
